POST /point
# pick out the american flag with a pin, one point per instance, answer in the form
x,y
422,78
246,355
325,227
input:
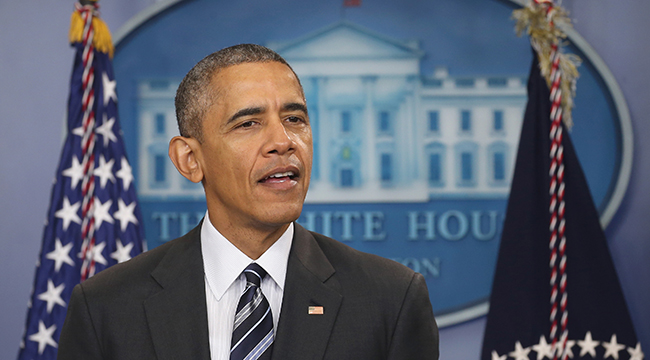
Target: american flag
x,y
94,220
523,316
555,293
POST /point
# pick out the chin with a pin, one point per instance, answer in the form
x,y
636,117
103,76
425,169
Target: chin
x,y
282,214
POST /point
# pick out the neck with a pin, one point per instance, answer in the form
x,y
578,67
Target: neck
x,y
252,241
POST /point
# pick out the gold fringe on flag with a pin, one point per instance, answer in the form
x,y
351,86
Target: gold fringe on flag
x,y
543,22
102,38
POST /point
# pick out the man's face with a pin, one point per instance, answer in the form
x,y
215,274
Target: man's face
x,y
257,150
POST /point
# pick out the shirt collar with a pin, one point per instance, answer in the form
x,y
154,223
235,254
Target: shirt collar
x,y
224,262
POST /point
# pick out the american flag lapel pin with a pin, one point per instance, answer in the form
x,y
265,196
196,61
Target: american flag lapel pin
x,y
315,310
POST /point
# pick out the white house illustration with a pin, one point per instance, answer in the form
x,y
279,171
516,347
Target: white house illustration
x,y
383,131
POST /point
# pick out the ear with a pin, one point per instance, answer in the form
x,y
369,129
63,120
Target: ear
x,y
184,153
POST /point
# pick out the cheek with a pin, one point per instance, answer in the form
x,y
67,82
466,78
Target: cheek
x,y
305,140
239,163
222,165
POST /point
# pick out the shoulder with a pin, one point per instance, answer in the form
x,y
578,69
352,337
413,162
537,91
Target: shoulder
x,y
345,257
355,269
384,302
135,275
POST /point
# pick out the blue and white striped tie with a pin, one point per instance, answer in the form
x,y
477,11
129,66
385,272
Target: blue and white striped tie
x,y
252,334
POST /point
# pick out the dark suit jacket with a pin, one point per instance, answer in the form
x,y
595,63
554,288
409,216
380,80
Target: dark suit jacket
x,y
153,307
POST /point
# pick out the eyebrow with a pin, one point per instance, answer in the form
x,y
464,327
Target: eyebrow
x,y
295,107
259,110
245,112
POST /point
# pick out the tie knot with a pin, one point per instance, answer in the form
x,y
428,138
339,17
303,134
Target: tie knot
x,y
254,274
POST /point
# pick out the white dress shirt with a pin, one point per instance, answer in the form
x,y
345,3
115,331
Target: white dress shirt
x,y
224,282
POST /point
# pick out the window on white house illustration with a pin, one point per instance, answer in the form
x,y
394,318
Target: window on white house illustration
x,y
435,168
436,161
346,122
347,178
434,121
497,165
497,125
466,164
467,170
386,168
160,168
384,125
159,123
465,121
157,166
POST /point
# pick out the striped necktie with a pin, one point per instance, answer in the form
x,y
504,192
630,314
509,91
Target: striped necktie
x,y
252,334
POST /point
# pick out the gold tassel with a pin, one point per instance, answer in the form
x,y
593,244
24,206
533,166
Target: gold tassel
x,y
76,28
544,30
101,40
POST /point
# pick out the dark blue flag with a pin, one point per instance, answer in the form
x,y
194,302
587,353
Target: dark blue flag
x,y
554,297
94,220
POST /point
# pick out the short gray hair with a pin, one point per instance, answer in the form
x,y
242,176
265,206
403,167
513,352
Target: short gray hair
x,y
195,95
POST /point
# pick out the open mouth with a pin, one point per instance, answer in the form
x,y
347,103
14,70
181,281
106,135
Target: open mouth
x,y
280,177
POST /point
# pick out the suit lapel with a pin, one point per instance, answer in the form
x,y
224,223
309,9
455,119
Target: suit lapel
x,y
309,283
177,315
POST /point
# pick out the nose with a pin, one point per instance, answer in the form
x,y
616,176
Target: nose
x,y
279,141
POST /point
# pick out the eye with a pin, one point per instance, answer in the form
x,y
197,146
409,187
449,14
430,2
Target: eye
x,y
295,119
246,124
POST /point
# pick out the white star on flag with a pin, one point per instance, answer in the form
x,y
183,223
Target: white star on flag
x,y
68,213
60,255
495,356
95,253
101,212
125,173
124,214
612,348
79,131
53,295
106,130
43,337
109,89
543,349
104,171
520,353
588,345
75,172
569,345
636,353
122,253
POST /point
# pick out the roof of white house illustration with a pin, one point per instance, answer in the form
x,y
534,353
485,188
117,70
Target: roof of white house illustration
x,y
362,50
359,42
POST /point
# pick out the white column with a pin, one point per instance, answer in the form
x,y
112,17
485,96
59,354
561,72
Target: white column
x,y
370,177
325,134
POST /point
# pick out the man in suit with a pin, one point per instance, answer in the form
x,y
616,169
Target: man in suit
x,y
245,135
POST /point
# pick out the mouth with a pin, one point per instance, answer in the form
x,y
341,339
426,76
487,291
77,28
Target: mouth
x,y
281,176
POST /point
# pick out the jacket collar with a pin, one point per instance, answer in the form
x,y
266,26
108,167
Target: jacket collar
x,y
310,283
177,314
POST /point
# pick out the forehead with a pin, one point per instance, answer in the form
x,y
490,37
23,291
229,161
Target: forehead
x,y
255,79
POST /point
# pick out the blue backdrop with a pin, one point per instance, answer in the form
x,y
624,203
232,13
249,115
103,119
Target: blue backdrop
x,y
35,62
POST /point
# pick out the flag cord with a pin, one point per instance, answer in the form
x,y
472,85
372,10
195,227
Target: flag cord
x,y
558,259
88,144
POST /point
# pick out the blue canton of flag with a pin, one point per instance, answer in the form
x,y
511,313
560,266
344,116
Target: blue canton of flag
x,y
94,220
